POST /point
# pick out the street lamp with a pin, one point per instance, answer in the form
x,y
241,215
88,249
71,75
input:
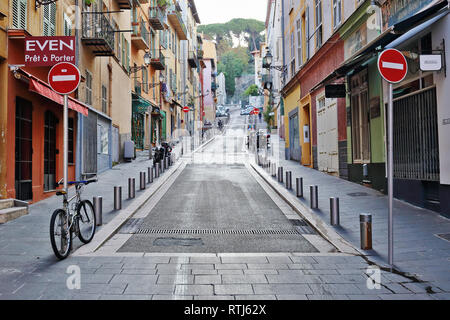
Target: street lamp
x,y
267,63
147,60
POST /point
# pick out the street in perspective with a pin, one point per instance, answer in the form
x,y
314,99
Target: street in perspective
x,y
187,150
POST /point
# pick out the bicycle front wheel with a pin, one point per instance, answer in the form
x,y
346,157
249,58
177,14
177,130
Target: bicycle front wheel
x,y
60,235
86,221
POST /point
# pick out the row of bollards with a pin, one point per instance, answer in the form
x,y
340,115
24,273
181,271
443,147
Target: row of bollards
x,y
365,219
144,179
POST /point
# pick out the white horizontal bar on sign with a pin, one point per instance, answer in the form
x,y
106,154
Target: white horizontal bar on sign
x,y
392,65
64,78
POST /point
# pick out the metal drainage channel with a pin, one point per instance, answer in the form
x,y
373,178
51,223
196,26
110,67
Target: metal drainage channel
x,y
300,227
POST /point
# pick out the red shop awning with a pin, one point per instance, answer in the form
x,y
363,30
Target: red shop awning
x,y
44,90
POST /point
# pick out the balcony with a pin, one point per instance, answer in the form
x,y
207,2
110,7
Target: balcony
x,y
125,4
192,59
98,33
200,53
173,85
138,88
156,18
140,37
174,16
158,61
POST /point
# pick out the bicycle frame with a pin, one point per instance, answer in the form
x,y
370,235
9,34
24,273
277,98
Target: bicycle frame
x,y
67,201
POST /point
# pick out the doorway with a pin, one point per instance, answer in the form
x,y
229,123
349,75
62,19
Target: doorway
x,y
294,136
24,150
306,136
50,151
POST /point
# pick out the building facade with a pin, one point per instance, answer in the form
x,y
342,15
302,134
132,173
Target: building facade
x,y
331,45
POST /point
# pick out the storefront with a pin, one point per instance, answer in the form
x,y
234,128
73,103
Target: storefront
x,y
35,116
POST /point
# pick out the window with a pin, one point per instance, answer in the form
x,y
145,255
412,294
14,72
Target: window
x,y
117,40
292,44
307,36
88,88
49,19
104,100
102,139
318,31
71,135
360,118
67,26
299,43
19,13
337,13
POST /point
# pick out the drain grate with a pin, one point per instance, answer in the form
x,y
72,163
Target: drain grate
x,y
220,232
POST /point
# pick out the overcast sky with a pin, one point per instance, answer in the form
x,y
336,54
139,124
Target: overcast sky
x,y
220,11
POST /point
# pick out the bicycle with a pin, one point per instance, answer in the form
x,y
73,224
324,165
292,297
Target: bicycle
x,y
80,219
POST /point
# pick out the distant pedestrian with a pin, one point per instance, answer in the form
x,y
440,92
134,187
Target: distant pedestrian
x,y
260,117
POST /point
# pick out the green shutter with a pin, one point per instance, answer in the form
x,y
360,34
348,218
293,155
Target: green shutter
x,y
19,12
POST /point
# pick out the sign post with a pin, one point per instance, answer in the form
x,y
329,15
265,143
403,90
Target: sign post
x,y
64,78
393,67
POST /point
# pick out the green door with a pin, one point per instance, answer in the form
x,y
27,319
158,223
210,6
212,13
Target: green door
x,y
163,126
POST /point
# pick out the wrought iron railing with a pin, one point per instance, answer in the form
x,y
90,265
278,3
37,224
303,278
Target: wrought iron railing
x,y
96,26
140,30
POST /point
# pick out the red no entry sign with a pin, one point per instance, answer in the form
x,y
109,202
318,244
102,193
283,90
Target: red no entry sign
x,y
256,111
64,78
186,109
392,65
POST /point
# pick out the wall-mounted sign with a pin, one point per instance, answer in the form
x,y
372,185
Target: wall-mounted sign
x,y
335,91
430,62
48,51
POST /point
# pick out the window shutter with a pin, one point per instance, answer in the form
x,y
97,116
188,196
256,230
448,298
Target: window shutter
x,y
46,22
15,13
23,14
52,19
307,32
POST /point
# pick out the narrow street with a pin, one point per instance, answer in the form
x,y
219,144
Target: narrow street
x,y
224,150
210,231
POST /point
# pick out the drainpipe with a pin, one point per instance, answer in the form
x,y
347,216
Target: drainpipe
x,y
79,149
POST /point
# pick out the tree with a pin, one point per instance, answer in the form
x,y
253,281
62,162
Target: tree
x,y
269,117
253,91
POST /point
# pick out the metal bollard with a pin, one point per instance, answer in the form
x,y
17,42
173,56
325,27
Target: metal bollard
x,y
98,209
157,170
289,180
314,196
334,211
142,184
150,174
117,198
280,176
365,222
274,170
131,188
299,184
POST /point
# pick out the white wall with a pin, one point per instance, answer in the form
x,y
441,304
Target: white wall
x,y
440,31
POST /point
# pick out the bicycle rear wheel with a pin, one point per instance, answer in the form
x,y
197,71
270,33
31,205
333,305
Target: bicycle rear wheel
x,y
60,235
86,221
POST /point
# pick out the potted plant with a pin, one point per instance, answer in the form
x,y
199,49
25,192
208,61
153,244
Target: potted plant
x,y
164,3
89,2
